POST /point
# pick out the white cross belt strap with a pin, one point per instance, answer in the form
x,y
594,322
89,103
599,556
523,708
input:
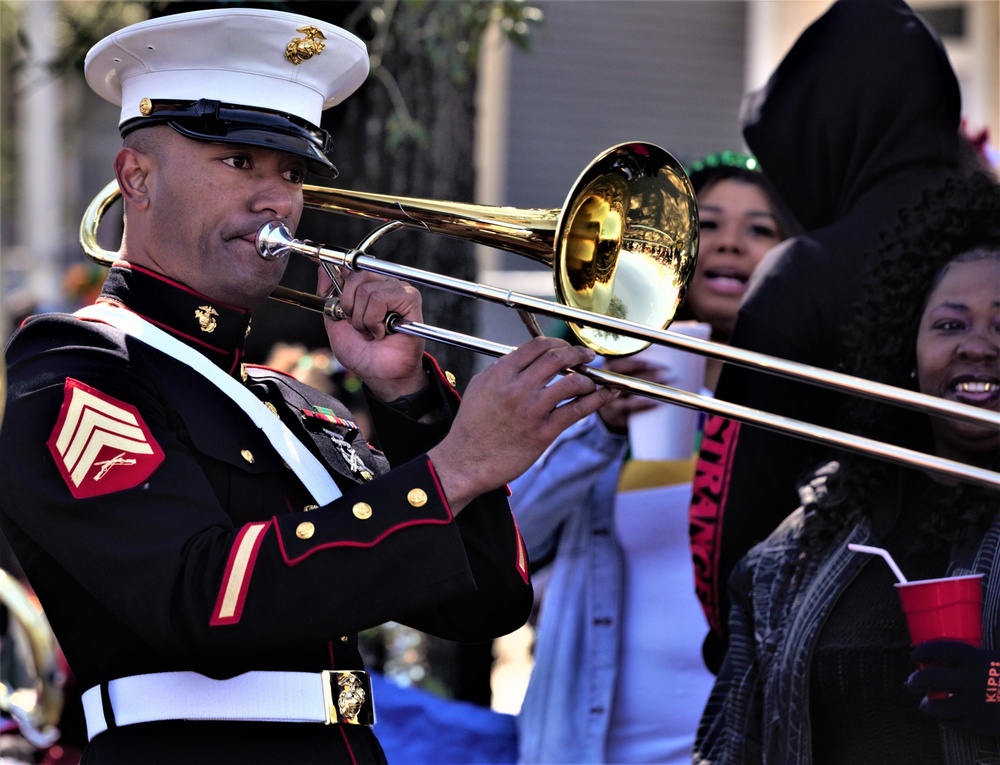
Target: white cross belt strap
x,y
300,697
311,472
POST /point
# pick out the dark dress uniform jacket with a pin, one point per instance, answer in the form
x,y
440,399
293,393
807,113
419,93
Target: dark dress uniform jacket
x,y
195,548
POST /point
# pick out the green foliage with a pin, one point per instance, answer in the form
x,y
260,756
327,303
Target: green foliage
x,y
451,32
450,35
399,127
454,31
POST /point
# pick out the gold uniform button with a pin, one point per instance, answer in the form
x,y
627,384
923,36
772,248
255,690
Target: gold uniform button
x,y
362,511
451,379
343,638
417,497
247,455
145,107
307,508
305,530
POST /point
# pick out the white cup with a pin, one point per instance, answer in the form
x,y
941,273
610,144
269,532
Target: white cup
x,y
667,431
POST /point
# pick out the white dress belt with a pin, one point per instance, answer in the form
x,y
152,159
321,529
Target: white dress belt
x,y
252,696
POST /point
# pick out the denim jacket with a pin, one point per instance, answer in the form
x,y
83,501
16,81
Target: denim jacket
x,y
759,709
564,717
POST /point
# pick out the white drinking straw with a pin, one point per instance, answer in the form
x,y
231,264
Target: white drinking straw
x,y
884,554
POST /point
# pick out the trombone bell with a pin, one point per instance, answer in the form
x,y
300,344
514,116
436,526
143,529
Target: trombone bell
x,y
626,243
623,245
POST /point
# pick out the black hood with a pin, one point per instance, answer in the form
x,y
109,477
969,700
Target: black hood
x,y
865,93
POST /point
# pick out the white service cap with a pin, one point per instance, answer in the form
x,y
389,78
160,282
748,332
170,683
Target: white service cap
x,y
246,76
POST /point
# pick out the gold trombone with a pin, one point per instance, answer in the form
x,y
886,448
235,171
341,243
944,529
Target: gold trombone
x,y
622,250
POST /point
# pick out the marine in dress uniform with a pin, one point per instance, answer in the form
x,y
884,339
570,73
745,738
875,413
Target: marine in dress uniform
x,y
206,601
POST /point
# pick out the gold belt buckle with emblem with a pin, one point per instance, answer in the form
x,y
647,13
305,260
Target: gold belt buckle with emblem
x,y
352,689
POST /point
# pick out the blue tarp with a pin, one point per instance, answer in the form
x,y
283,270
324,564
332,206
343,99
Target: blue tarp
x,y
418,728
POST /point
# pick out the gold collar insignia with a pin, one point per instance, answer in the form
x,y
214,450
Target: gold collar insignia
x,y
205,315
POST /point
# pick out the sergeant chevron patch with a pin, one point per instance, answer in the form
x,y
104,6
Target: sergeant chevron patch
x,y
101,445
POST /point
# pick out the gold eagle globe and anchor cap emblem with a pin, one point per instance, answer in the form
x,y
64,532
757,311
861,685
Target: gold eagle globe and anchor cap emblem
x,y
207,318
302,48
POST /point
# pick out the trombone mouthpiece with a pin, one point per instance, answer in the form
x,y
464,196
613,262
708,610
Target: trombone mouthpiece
x,y
273,241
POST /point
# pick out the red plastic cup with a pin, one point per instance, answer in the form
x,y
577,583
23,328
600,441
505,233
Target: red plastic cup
x,y
944,609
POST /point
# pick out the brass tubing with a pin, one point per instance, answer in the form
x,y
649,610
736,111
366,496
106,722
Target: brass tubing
x,y
355,259
278,237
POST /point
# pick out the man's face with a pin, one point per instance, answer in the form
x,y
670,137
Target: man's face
x,y
206,203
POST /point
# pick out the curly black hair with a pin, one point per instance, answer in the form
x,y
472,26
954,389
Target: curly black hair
x,y
960,214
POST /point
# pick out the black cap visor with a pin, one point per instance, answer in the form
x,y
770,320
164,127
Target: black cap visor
x,y
214,122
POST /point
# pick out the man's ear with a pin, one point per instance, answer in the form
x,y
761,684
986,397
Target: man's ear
x,y
132,171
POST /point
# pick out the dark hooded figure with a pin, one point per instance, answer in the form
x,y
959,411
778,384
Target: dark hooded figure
x,y
860,116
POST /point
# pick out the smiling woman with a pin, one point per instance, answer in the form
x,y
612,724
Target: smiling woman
x,y
818,634
958,349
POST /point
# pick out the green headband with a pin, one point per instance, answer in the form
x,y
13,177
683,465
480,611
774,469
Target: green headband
x,y
724,159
